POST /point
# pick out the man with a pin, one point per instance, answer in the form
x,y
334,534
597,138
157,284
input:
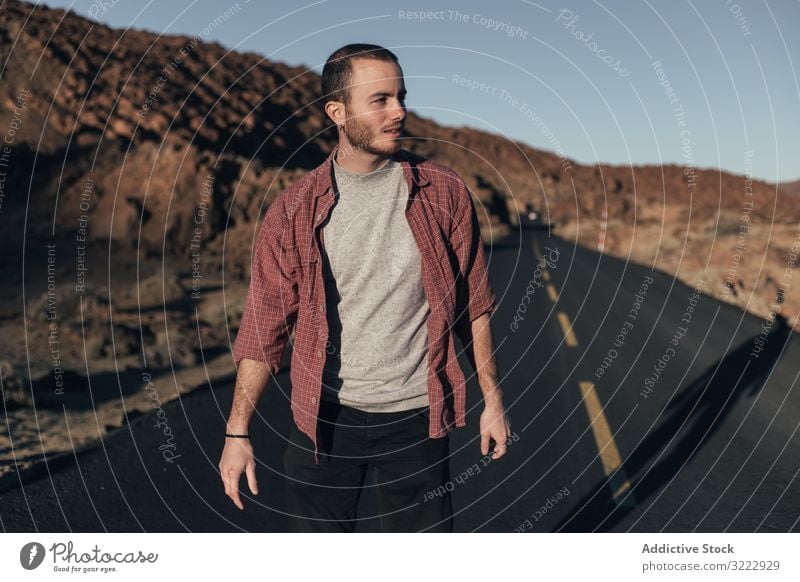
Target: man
x,y
375,259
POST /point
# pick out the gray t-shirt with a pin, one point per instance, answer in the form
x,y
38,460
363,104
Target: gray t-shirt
x,y
376,307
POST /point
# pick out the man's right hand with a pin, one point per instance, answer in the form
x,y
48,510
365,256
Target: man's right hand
x,y
237,458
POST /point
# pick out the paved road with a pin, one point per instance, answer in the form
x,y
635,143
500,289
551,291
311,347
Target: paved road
x,y
638,406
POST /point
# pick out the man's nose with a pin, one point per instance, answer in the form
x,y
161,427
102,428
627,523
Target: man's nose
x,y
399,111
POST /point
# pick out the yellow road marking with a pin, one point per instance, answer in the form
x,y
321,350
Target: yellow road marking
x,y
543,268
566,328
609,455
551,291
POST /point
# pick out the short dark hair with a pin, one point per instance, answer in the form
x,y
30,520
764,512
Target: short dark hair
x,y
338,70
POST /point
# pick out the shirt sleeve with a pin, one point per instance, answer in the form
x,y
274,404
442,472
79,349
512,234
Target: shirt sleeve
x,y
475,294
272,302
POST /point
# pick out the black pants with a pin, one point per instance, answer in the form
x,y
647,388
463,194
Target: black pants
x,y
407,467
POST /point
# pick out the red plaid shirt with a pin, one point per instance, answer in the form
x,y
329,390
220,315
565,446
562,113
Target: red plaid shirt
x,y
287,289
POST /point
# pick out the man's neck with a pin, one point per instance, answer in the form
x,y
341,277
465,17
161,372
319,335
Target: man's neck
x,y
360,162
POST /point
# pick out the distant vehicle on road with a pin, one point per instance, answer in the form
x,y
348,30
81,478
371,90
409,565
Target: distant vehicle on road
x,y
533,219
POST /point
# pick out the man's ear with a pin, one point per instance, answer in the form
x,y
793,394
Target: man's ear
x,y
335,112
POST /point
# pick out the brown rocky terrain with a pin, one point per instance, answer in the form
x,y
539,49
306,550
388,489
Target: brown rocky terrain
x,y
145,163
790,188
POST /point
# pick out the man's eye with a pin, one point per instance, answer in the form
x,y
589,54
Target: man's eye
x,y
402,99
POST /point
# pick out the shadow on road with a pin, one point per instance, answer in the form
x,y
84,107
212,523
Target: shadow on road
x,y
694,415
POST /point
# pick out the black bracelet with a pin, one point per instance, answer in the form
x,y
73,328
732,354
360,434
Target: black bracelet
x,y
238,436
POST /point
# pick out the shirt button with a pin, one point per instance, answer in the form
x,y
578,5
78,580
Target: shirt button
x,y
319,217
322,307
313,400
319,354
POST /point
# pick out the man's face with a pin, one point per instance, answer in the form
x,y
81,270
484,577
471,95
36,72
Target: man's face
x,y
377,105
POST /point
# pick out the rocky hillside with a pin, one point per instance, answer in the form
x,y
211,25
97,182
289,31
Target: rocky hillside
x,y
169,148
790,188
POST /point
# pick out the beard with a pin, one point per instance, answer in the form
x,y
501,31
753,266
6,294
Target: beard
x,y
363,137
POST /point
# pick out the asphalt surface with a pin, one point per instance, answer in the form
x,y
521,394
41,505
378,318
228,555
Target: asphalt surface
x,y
637,407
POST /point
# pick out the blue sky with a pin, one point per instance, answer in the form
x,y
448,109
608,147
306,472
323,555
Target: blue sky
x,y
577,76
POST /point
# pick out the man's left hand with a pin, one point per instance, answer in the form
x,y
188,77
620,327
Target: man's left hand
x,y
495,426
